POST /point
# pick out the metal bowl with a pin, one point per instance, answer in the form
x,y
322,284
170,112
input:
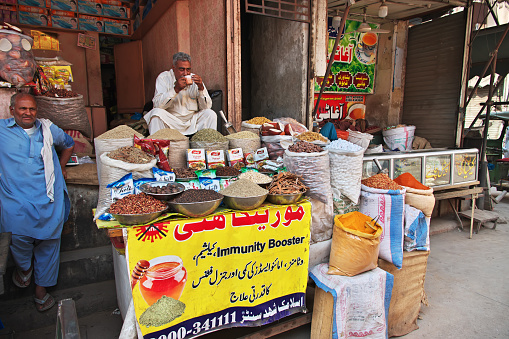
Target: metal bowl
x,y
196,209
244,204
137,219
284,199
164,197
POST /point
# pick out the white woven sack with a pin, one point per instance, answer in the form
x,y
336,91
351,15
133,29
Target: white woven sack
x,y
346,173
113,170
359,138
315,171
108,145
388,206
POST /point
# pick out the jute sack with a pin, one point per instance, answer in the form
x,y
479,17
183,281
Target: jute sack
x,y
177,155
407,293
355,244
423,200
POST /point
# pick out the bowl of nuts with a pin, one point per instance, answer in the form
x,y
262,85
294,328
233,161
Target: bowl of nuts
x,y
137,209
162,190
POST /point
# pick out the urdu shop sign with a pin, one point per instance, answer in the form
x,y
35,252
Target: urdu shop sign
x,y
353,69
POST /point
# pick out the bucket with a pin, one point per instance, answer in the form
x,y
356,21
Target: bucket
x,y
399,138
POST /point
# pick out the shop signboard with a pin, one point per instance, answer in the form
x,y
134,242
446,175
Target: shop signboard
x,y
340,106
353,69
226,270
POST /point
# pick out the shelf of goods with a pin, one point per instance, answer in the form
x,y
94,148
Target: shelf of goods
x,y
432,167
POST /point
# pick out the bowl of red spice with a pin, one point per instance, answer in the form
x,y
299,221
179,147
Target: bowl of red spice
x,y
137,209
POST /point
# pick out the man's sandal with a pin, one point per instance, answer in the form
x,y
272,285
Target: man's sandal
x,y
39,303
24,278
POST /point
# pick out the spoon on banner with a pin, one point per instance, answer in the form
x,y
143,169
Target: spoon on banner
x,y
139,271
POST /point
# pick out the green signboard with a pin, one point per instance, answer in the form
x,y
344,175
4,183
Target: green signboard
x,y
353,70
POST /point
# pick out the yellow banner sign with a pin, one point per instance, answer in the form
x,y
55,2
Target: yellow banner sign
x,y
195,276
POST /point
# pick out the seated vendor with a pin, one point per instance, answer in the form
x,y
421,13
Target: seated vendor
x,y
181,100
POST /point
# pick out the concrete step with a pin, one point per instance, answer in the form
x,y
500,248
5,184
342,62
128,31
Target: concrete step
x,y
20,315
77,267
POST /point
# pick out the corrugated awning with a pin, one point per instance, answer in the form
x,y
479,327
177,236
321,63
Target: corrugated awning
x,y
484,44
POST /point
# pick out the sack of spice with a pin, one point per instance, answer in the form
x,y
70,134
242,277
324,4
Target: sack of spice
x,y
209,140
179,144
355,244
254,125
417,194
111,140
113,170
247,141
384,200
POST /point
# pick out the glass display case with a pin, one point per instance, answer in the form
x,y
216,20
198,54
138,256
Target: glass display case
x,y
432,167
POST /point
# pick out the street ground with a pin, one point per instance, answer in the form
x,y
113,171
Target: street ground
x,y
466,288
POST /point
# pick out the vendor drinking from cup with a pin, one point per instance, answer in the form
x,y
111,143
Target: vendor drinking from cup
x,y
181,100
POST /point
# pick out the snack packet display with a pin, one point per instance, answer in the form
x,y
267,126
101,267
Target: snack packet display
x,y
122,187
196,159
162,175
215,159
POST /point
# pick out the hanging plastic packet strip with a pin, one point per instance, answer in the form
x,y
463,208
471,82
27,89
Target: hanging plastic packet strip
x,y
206,173
191,184
161,175
247,169
139,182
157,148
122,188
210,184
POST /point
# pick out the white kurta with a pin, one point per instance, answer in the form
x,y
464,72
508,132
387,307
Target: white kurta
x,y
187,111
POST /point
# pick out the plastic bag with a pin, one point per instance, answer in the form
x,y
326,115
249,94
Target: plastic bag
x,y
297,127
388,207
355,244
17,64
315,171
276,145
346,173
113,170
66,113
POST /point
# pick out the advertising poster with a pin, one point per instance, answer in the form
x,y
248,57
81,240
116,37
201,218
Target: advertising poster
x,y
353,70
340,106
195,276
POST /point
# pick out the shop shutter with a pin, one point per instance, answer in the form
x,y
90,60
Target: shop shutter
x,y
433,79
295,10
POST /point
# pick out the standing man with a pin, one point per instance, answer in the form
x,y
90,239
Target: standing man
x,y
33,196
181,100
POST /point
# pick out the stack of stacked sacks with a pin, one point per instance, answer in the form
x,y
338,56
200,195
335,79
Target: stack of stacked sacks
x,y
361,292
405,229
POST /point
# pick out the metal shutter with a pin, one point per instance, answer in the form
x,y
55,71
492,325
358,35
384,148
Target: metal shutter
x,y
433,78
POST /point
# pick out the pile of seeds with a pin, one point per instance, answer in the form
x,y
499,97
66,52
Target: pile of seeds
x,y
166,189
287,183
256,177
227,171
243,135
131,155
258,121
304,147
120,132
209,135
243,188
167,134
199,195
311,136
184,173
162,312
60,93
137,204
381,181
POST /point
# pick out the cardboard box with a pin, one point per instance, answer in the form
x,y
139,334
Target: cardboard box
x,y
34,3
65,5
115,9
63,19
94,7
120,27
91,23
34,16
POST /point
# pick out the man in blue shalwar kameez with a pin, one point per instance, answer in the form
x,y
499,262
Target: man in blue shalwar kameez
x,y
33,196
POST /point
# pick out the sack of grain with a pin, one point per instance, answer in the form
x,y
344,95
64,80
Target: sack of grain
x,y
346,173
248,141
179,144
111,140
66,113
359,138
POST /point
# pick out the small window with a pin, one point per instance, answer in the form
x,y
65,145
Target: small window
x,y
295,10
